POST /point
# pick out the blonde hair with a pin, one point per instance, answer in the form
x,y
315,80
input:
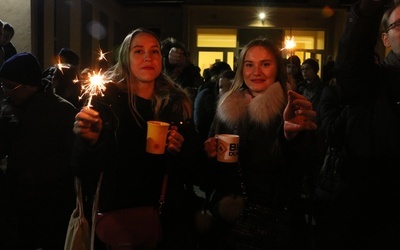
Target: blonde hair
x,y
120,74
266,43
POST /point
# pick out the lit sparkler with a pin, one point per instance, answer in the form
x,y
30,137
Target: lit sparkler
x,y
95,86
102,55
289,43
61,66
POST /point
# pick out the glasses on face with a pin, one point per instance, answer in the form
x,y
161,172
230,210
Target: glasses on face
x,y
8,89
394,25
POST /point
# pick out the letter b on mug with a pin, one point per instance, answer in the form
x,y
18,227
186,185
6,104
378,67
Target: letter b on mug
x,y
228,148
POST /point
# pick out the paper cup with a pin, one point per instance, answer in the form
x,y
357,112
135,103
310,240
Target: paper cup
x,y
156,137
227,148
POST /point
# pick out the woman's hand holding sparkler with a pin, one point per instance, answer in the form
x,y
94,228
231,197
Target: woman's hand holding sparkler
x,y
88,125
298,115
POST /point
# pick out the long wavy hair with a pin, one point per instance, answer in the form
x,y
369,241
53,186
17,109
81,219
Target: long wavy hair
x,y
281,77
164,87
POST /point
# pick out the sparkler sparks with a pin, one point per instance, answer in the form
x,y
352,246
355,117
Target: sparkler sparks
x,y
61,66
289,43
95,83
102,55
95,86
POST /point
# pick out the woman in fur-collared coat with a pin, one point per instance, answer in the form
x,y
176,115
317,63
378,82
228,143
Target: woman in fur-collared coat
x,y
266,114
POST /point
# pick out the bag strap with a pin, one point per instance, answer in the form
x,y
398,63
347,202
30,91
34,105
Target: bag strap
x,y
94,211
162,195
79,200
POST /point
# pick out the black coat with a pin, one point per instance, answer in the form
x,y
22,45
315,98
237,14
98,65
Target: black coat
x,y
132,177
366,209
38,187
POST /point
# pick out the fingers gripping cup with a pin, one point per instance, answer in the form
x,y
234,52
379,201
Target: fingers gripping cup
x,y
228,148
156,137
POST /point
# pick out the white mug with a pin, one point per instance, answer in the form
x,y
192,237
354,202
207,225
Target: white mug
x,y
227,148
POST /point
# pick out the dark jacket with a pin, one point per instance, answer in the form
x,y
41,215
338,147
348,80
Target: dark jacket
x,y
366,209
132,177
204,109
271,166
38,188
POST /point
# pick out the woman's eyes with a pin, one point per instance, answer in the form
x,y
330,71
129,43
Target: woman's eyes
x,y
141,51
265,64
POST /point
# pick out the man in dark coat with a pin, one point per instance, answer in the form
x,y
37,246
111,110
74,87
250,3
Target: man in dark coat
x,y
37,194
365,213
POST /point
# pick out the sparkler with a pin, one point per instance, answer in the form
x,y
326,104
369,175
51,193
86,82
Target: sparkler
x,y
95,85
289,43
102,56
61,66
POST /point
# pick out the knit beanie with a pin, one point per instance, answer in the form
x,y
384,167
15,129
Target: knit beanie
x,y
22,68
69,56
314,64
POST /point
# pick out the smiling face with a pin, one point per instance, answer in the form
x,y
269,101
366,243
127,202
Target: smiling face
x,y
259,69
145,58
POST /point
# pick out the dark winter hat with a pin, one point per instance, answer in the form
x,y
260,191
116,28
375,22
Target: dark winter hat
x,y
69,56
22,68
314,64
294,60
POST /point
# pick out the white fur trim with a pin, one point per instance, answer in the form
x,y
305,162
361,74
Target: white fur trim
x,y
261,109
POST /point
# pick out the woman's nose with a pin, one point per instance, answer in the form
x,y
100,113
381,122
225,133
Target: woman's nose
x,y
257,70
147,56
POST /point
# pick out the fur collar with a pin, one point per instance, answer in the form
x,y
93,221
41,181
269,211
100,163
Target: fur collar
x,y
262,109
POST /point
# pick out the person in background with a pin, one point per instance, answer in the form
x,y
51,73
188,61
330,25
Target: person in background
x,y
364,214
206,100
312,84
8,34
111,138
66,58
177,65
37,195
225,81
312,88
272,122
65,76
327,69
293,70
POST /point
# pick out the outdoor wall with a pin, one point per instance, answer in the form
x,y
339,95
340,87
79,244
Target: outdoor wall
x,y
18,14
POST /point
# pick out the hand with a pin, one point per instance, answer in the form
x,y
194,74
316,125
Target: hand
x,y
298,115
176,56
210,146
88,125
175,140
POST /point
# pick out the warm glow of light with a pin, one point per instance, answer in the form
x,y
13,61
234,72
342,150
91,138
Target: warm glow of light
x,y
289,43
102,55
327,11
95,85
262,15
61,66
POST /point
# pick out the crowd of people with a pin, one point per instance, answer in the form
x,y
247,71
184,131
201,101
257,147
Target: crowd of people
x,y
317,164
